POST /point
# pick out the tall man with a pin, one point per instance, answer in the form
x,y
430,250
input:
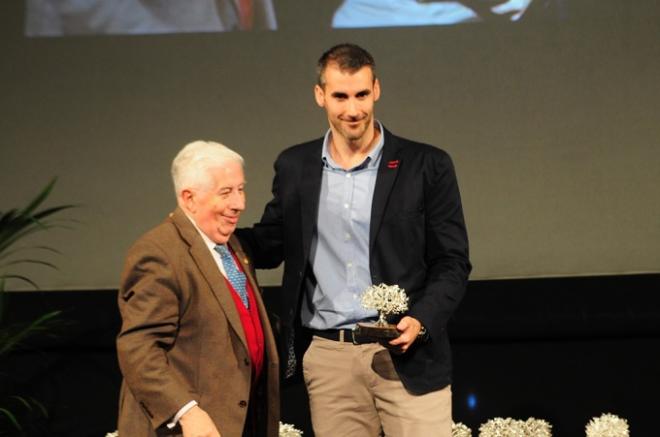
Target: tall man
x,y
361,206
196,348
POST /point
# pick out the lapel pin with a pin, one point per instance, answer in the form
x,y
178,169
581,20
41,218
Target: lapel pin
x,y
393,164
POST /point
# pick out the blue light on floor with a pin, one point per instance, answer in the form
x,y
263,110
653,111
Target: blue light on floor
x,y
472,401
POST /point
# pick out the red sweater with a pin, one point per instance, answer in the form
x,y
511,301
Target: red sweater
x,y
254,334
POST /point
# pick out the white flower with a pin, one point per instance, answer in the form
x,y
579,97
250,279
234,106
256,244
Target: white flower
x,y
460,430
287,430
537,428
508,427
607,425
386,299
499,427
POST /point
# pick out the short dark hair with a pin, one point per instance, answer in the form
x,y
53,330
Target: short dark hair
x,y
349,57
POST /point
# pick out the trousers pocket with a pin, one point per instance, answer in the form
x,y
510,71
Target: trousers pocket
x,y
383,366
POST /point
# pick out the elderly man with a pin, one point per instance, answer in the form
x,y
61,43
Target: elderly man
x,y
196,348
356,207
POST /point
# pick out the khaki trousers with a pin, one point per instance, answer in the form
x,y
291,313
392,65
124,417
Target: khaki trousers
x,y
354,391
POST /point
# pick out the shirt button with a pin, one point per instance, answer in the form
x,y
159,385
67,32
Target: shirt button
x,y
345,205
348,237
348,175
242,404
349,264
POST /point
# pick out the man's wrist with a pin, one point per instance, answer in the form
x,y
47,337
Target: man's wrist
x,y
180,413
423,334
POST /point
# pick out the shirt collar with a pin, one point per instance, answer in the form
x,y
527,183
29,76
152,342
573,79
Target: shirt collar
x,y
370,161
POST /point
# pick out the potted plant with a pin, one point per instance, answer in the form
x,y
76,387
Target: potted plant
x,y
16,225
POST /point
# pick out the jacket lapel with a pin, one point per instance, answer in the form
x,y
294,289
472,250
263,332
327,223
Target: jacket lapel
x,y
209,269
387,173
310,187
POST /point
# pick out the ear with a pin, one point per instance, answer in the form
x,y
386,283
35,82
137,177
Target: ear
x,y
188,200
319,95
376,90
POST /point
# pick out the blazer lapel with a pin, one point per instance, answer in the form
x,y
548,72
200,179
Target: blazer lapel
x,y
310,188
209,269
387,173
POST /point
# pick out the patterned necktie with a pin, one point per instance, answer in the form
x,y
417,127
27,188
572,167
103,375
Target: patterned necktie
x,y
235,276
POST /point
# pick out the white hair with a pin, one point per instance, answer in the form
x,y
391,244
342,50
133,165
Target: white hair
x,y
191,166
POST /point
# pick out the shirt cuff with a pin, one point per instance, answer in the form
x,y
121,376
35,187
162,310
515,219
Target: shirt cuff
x,y
181,412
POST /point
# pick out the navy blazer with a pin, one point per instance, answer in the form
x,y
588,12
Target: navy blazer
x,y
417,241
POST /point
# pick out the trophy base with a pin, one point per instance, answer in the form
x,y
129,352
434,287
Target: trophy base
x,y
376,331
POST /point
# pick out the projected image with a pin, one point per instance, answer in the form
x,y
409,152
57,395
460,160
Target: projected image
x,y
80,17
135,17
386,13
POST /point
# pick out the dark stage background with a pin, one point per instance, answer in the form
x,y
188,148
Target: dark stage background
x,y
564,350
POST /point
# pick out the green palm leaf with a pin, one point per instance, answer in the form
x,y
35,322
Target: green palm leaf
x,y
27,211
14,251
15,226
12,340
29,261
22,278
5,412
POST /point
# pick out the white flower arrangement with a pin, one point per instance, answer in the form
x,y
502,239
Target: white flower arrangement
x,y
607,425
460,430
537,428
499,427
286,430
509,427
386,299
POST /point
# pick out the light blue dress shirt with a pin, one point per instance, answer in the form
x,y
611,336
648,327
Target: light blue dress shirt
x,y
340,248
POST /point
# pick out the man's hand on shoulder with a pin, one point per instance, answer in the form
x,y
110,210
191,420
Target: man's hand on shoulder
x,y
197,423
409,328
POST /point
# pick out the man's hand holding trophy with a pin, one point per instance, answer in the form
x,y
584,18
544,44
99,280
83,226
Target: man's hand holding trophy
x,y
387,300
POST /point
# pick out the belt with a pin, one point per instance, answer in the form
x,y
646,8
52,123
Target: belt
x,y
343,336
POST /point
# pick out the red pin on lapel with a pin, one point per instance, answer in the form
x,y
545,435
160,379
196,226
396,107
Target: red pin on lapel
x,y
393,164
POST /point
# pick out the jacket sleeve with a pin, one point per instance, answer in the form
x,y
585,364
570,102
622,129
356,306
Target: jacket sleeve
x,y
446,248
149,302
264,242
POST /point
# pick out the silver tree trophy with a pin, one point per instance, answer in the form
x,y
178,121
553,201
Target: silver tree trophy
x,y
386,299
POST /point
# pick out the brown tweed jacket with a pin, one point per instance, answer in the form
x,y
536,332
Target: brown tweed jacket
x,y
181,338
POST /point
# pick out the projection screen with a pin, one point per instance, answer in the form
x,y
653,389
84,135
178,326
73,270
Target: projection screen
x,y
549,110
